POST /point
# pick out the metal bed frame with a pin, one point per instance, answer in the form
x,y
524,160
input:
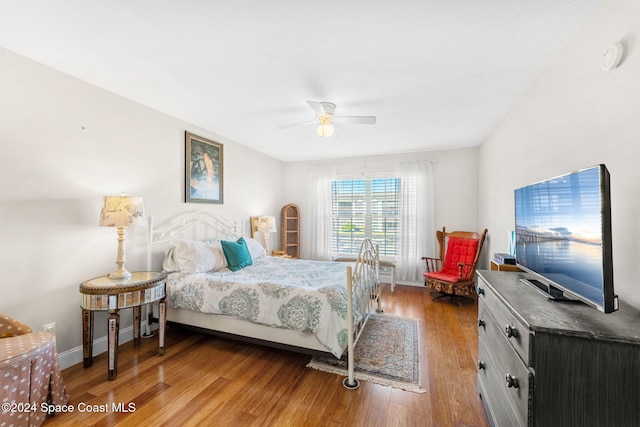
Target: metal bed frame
x,y
207,225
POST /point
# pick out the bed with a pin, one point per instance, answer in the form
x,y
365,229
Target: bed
x,y
224,283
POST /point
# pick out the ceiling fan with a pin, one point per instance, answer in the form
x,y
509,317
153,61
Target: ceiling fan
x,y
325,118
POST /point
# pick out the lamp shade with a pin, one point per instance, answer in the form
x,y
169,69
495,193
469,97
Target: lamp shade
x,y
267,224
122,211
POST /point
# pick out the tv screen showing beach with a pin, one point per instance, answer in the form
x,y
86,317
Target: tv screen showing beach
x,y
559,231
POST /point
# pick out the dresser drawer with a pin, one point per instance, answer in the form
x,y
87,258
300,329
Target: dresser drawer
x,y
517,334
494,395
513,376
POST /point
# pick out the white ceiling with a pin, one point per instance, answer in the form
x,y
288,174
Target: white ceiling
x,y
437,74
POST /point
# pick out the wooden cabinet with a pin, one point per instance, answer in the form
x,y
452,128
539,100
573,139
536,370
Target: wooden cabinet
x,y
290,229
546,363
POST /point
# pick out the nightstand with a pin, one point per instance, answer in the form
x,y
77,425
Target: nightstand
x,y
105,294
280,254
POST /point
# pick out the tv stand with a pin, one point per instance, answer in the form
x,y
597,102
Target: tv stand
x,y
548,290
542,364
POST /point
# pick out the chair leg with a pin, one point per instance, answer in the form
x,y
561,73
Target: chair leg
x,y
451,297
438,295
463,298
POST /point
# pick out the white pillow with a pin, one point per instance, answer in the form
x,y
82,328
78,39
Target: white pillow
x,y
170,264
193,256
255,248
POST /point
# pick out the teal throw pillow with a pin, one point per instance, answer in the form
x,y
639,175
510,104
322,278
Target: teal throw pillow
x,y
237,254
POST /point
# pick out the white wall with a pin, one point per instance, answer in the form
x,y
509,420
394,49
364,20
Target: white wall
x,y
64,144
455,175
576,116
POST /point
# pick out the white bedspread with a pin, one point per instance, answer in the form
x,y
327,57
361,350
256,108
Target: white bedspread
x,y
306,296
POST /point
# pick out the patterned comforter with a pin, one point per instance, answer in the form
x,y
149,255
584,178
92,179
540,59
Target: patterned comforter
x,y
306,296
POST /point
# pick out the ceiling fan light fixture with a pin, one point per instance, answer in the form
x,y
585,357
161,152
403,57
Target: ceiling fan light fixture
x,y
325,116
325,130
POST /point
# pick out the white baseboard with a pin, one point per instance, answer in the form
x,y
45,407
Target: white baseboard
x,y
75,355
417,284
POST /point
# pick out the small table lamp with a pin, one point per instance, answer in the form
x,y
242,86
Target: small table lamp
x,y
121,212
266,225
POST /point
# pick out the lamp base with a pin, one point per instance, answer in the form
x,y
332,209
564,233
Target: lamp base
x,y
266,242
119,275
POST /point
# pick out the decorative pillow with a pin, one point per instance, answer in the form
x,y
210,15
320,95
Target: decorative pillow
x,y
237,254
193,256
255,248
10,327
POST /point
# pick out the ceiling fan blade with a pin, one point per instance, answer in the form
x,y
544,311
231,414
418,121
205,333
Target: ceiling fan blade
x,y
356,120
317,108
297,124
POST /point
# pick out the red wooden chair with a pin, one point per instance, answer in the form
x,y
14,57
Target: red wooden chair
x,y
453,274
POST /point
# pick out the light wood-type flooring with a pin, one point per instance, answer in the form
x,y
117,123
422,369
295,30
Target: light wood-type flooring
x,y
205,380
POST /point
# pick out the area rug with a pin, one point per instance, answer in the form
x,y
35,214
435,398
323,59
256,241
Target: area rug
x,y
387,353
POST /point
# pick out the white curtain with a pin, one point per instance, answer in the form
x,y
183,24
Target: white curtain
x,y
318,222
416,229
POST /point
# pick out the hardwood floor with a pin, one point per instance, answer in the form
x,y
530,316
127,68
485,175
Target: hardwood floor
x,y
205,380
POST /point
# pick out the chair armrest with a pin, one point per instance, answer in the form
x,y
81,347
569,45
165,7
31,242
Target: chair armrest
x,y
466,271
433,264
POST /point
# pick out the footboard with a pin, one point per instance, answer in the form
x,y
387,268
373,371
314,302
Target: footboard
x,y
363,292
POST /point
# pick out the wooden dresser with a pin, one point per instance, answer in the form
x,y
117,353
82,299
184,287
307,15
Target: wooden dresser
x,y
546,363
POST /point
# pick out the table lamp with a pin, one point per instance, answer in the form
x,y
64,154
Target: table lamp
x,y
266,225
121,212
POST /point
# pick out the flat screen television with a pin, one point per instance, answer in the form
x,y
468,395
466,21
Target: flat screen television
x,y
563,237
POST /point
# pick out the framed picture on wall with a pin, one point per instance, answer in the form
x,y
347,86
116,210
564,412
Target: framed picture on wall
x,y
203,170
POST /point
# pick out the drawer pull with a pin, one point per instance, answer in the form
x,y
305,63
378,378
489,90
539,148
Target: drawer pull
x,y
512,382
511,331
481,365
481,323
480,290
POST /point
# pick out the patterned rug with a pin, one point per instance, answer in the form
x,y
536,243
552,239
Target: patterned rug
x,y
387,353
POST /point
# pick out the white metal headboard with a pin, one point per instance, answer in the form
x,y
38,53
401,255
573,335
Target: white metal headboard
x,y
196,225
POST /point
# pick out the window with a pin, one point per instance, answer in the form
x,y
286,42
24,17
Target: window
x,y
365,208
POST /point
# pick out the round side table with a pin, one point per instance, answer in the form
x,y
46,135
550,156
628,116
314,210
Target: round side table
x,y
105,294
